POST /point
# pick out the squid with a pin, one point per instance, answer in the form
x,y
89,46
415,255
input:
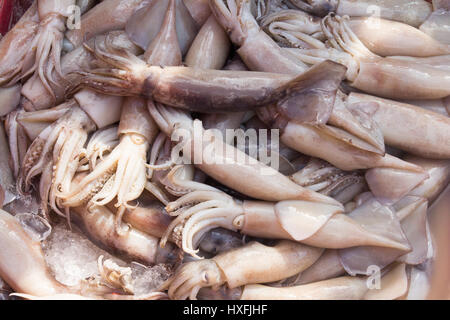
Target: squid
x,y
199,10
34,122
99,223
250,264
17,139
24,268
263,182
169,119
412,213
256,48
10,97
418,131
294,28
34,94
380,36
108,15
350,127
346,124
48,43
393,285
15,48
23,127
411,210
102,142
122,173
212,39
413,12
322,177
145,24
209,90
55,153
349,123
439,177
303,221
391,77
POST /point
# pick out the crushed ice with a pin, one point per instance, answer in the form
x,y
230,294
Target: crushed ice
x,y
148,279
71,256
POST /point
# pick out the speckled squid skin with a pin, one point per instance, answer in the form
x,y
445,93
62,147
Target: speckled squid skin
x,y
210,90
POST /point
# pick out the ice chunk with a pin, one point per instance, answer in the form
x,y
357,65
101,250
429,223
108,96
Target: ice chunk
x,y
148,279
37,227
23,204
71,256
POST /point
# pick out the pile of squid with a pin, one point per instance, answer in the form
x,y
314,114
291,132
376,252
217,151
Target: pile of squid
x,y
93,115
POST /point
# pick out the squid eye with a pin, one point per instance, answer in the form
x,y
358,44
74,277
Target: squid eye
x,y
205,277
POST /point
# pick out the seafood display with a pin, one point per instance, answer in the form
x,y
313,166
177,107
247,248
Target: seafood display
x,y
224,149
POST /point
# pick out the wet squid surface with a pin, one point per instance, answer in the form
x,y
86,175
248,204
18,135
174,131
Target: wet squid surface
x,y
224,149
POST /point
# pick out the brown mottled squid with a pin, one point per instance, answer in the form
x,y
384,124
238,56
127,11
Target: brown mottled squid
x,y
209,90
349,126
123,173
